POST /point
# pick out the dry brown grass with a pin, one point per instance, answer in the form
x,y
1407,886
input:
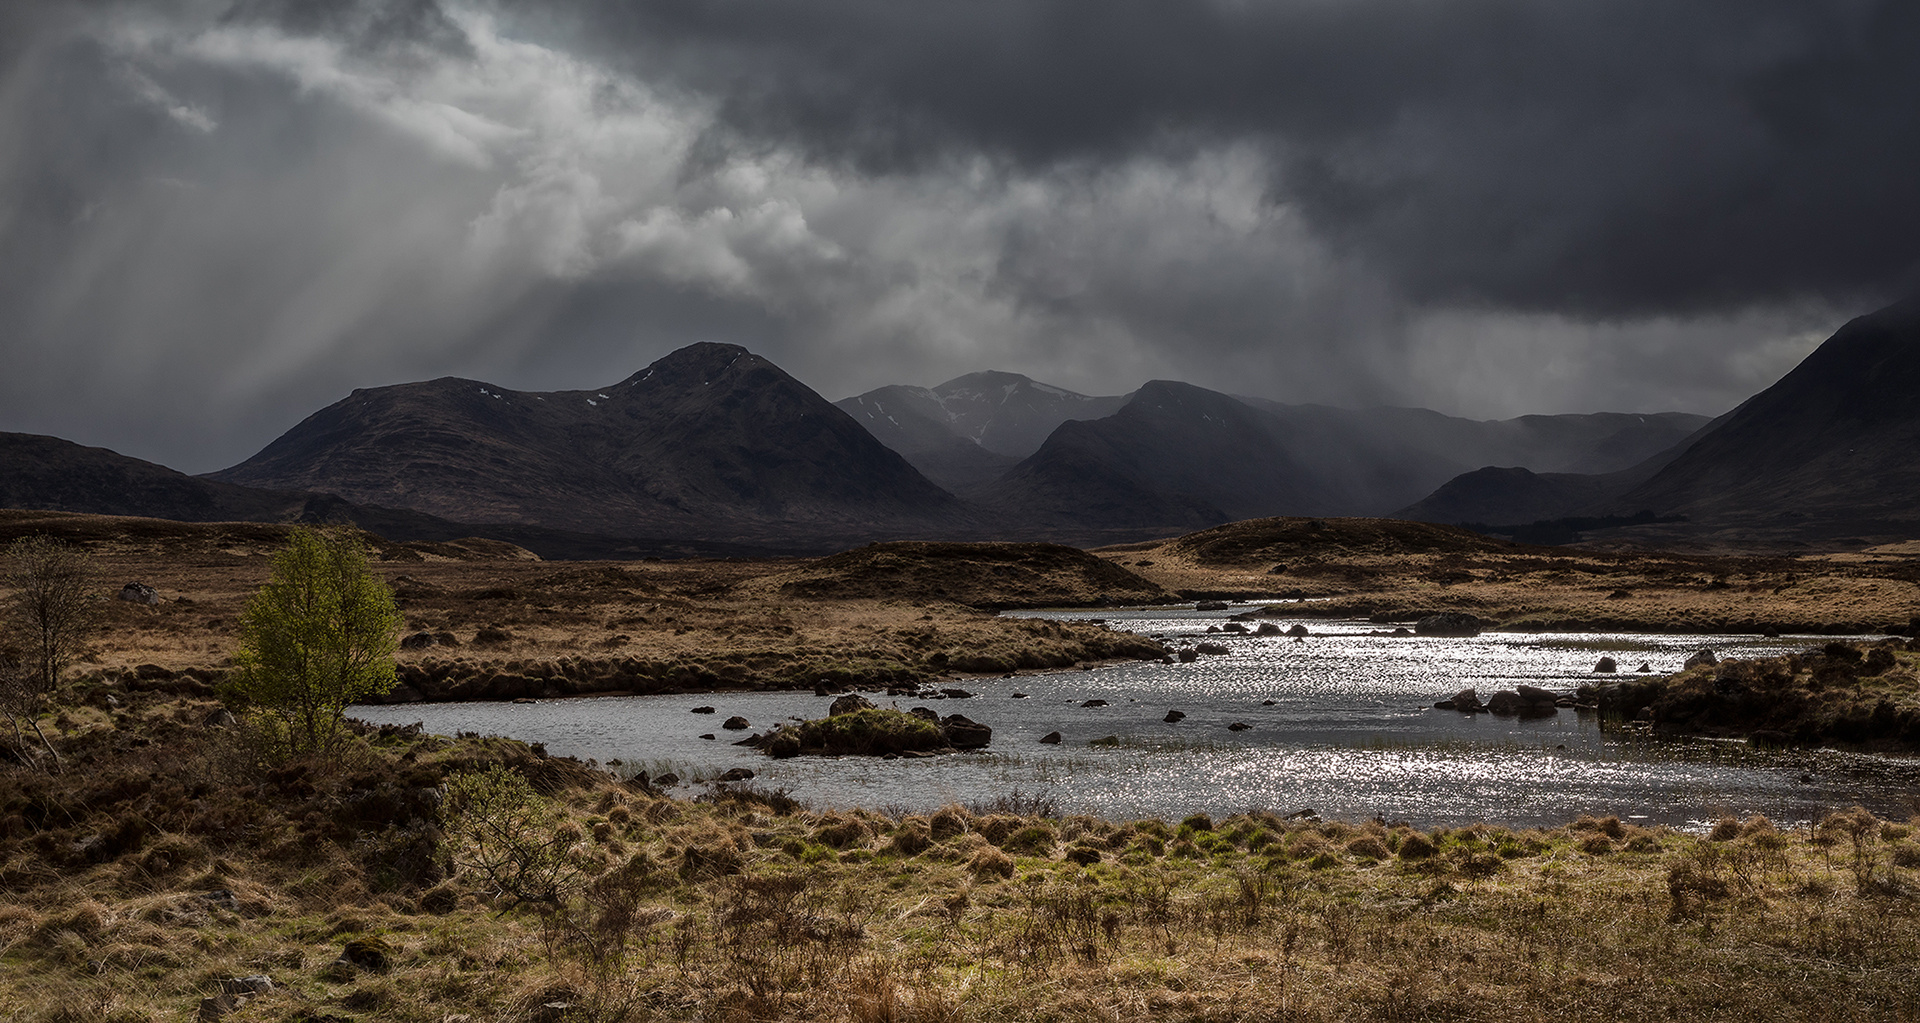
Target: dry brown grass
x,y
1402,571
527,627
733,909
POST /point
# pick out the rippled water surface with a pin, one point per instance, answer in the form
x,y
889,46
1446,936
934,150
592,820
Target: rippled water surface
x,y
1341,722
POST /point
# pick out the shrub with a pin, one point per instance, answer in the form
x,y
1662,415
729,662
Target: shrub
x,y
318,637
1725,830
500,829
50,612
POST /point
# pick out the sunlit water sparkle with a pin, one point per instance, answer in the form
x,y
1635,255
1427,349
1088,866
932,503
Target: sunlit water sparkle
x,y
1350,732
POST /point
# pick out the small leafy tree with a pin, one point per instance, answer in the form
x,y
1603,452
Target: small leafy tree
x,y
50,613
319,636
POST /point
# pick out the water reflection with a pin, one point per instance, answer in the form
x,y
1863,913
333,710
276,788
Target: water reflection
x,y
1340,722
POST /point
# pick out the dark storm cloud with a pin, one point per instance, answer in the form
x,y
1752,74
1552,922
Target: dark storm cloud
x,y
218,215
368,26
1614,158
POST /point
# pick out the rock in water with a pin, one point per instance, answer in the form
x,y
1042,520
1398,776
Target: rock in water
x,y
1606,664
735,723
1451,623
848,704
964,733
1173,716
1051,738
1702,658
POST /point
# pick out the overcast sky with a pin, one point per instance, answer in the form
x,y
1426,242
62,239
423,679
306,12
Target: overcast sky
x,y
219,216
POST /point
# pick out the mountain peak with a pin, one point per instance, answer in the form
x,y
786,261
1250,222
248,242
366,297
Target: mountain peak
x,y
704,359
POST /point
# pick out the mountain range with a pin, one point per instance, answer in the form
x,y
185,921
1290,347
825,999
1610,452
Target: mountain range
x,y
713,449
1826,453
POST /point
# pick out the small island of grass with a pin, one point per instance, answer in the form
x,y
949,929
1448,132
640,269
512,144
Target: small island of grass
x,y
857,728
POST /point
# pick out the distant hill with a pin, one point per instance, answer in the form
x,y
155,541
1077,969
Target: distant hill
x,y
969,430
1825,454
1832,448
51,474
710,442
1180,457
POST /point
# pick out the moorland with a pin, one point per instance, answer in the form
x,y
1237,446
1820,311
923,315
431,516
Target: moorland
x,y
174,861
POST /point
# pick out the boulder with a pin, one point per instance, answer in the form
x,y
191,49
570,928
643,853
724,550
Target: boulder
x,y
1238,726
736,724
1451,623
957,694
138,593
1533,702
1212,649
1505,703
1235,627
1051,738
737,774
1174,715
1267,629
701,710
964,733
219,1005
1298,631
1534,696
926,713
1466,700
848,704
1701,658
1606,664
1094,703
